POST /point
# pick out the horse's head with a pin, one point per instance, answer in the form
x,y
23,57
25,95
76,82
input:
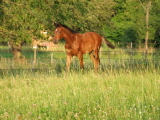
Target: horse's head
x,y
58,33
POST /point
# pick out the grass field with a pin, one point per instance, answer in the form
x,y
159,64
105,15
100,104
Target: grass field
x,y
118,92
123,89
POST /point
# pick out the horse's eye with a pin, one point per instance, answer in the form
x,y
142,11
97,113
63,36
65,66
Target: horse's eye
x,y
60,32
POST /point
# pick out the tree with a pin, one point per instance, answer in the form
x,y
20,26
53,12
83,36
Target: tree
x,y
127,17
22,20
147,10
83,16
131,14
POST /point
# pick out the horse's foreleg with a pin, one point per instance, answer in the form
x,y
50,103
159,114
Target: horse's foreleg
x,y
69,59
80,56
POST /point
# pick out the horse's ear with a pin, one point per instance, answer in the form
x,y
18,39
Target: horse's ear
x,y
56,25
59,24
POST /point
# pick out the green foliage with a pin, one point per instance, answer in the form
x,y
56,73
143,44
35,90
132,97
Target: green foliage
x,y
129,21
83,16
128,18
118,20
157,37
156,21
21,20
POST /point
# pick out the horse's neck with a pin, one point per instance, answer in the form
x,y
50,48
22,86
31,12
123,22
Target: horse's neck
x,y
69,37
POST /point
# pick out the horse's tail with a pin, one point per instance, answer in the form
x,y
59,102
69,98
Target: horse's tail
x,y
109,44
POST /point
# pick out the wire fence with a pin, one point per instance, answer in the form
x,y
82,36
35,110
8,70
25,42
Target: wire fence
x,y
120,53
117,44
131,54
53,61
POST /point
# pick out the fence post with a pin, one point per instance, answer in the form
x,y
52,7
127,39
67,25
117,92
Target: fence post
x,y
9,47
146,53
143,55
109,56
131,51
35,55
131,45
51,58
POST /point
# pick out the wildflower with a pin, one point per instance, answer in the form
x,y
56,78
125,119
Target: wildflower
x,y
39,117
6,114
65,103
19,116
29,113
76,115
34,105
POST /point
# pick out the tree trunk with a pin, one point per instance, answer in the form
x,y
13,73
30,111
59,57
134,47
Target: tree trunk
x,y
17,52
147,27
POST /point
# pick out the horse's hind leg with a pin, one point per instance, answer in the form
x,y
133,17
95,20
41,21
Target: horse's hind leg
x,y
92,58
95,59
80,56
97,62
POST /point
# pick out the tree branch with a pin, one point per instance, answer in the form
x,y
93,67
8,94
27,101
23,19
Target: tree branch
x,y
142,5
13,3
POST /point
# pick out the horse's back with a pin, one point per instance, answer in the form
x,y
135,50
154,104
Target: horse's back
x,y
90,41
93,37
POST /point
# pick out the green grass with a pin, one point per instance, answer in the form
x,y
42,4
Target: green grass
x,y
122,91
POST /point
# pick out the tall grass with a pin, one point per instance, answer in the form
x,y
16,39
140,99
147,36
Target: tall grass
x,y
122,91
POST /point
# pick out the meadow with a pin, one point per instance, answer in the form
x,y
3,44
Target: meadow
x,y
122,89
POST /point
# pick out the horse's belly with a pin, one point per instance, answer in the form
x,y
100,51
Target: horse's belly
x,y
87,49
72,52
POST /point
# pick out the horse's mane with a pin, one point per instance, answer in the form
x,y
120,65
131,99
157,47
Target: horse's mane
x,y
73,31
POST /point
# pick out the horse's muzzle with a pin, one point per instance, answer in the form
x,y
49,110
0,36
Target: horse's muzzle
x,y
55,41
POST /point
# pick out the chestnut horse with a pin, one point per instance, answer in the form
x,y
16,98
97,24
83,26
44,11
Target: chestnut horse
x,y
78,44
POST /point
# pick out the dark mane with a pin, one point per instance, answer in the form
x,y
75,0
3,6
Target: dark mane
x,y
73,31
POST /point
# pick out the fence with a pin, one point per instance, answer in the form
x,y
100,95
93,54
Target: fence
x,y
56,60
128,53
107,54
117,44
